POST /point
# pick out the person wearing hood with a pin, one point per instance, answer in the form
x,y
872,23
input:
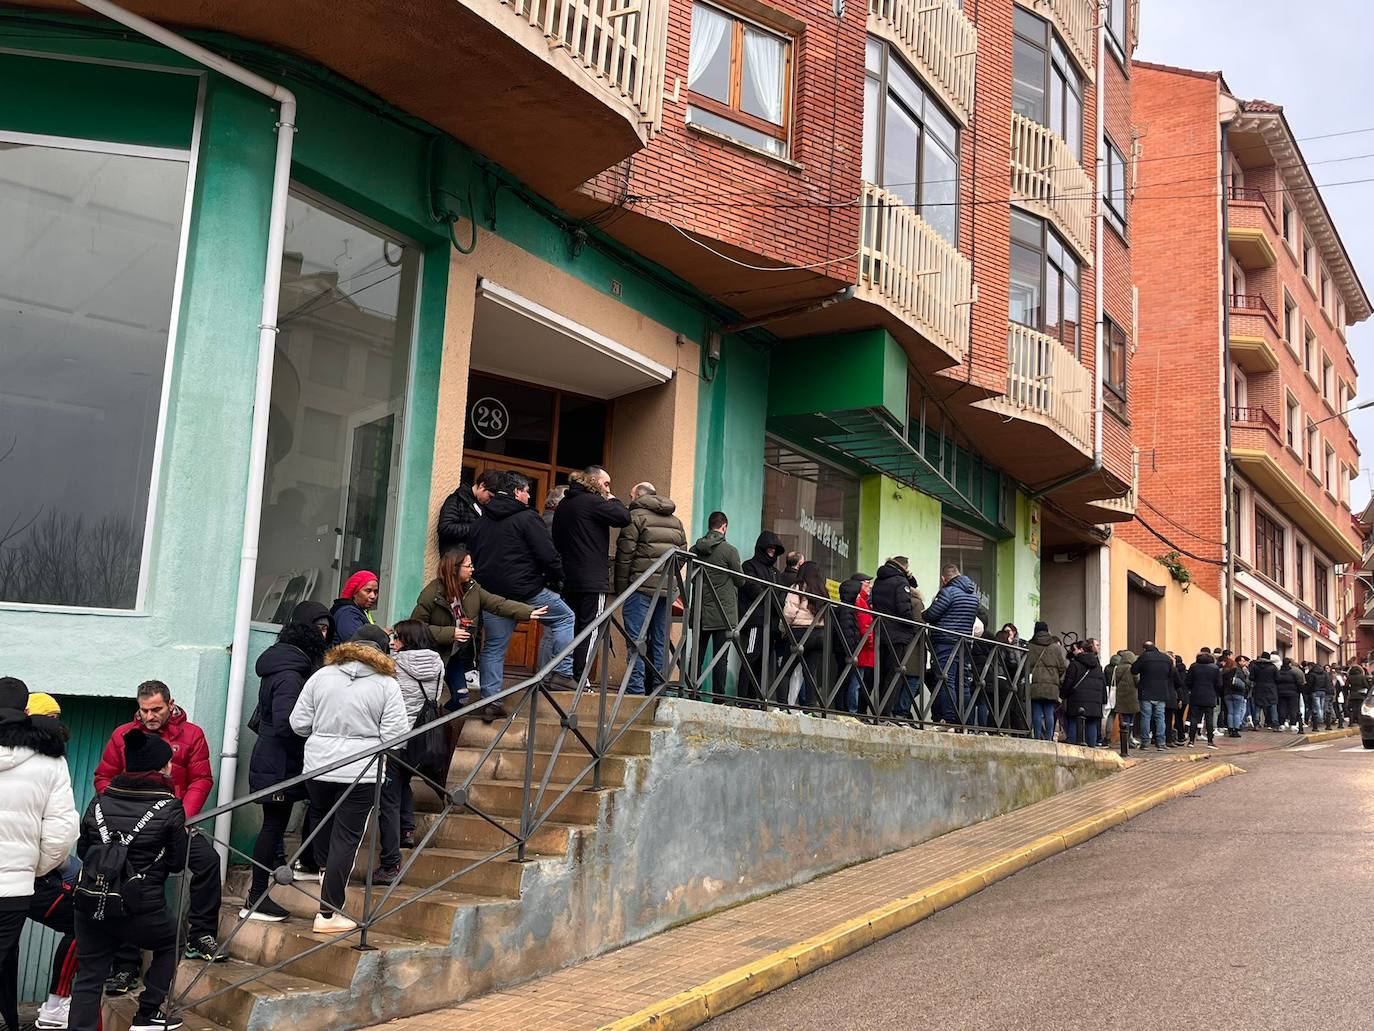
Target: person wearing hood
x,y
141,804
512,547
1048,665
582,526
1235,683
761,574
192,779
38,823
1356,689
1085,695
719,597
349,705
1319,687
954,611
855,642
1290,685
896,595
420,674
1175,709
355,605
1264,691
461,510
1127,702
652,533
1155,679
1204,690
279,753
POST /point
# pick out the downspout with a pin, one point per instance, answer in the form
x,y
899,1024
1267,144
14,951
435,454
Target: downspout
x,y
262,391
1228,471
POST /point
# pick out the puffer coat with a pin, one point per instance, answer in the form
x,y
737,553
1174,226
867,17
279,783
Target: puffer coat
x,y
350,705
653,532
1127,685
1048,664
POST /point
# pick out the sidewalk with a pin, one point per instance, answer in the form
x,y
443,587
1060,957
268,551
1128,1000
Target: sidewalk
x,y
686,975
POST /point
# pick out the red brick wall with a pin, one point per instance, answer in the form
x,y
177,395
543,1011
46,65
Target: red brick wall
x,y
1117,275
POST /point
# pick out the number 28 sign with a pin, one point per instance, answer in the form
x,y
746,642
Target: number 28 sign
x,y
489,418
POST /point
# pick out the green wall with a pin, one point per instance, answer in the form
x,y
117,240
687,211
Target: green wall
x,y
729,453
894,519
1018,569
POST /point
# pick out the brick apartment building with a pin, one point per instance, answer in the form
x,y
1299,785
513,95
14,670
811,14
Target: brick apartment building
x,y
901,203
1242,375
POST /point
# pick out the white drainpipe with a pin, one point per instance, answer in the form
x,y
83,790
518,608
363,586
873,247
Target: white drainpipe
x,y
262,391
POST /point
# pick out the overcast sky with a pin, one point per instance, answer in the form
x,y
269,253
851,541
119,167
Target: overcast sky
x,y
1316,60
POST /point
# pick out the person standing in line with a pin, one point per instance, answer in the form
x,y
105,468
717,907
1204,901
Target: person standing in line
x,y
140,805
1085,694
1236,684
1204,688
1175,708
582,534
1318,687
351,704
355,605
653,531
899,663
1155,676
851,625
791,567
1127,703
512,547
278,752
1048,667
460,511
953,611
1264,691
1290,683
759,612
38,823
719,597
552,500
1356,689
804,614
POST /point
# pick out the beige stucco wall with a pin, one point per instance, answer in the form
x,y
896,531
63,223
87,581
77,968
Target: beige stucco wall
x,y
1185,620
653,431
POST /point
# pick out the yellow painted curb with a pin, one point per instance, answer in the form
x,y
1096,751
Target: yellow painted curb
x,y
734,988
1330,735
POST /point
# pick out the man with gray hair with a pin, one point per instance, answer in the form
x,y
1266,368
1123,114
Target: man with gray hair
x,y
652,532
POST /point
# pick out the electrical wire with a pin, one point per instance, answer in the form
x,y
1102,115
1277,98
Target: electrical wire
x,y
764,268
1177,547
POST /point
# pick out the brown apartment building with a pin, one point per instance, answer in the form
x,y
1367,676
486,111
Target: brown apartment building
x,y
900,207
1242,376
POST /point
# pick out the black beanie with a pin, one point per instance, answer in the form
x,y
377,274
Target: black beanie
x,y
373,635
1041,627
14,694
144,752
310,612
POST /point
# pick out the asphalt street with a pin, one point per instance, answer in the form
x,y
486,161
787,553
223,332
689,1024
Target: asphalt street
x,y
1246,906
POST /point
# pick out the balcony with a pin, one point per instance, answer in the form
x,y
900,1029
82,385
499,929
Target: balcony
x,y
1076,21
1048,180
908,268
1251,229
1252,304
937,39
1127,503
1250,416
1046,385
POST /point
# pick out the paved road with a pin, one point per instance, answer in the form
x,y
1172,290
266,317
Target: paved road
x,y
1247,906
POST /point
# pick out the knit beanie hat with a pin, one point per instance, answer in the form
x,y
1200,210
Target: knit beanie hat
x,y
355,583
1041,627
14,694
144,752
41,704
373,635
313,611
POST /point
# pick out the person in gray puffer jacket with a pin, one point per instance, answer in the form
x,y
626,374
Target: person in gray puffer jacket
x,y
351,704
1048,664
653,532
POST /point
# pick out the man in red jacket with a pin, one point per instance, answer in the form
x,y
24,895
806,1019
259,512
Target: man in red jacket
x,y
193,780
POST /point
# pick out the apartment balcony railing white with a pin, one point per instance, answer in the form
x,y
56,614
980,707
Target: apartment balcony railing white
x,y
1128,502
1048,179
1046,384
937,38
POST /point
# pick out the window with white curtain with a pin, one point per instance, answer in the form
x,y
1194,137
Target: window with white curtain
x,y
738,78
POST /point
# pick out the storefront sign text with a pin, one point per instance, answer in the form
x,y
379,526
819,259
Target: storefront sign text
x,y
824,534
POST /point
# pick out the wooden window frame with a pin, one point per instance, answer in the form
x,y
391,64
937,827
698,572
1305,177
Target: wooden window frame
x,y
732,111
1118,392
1269,546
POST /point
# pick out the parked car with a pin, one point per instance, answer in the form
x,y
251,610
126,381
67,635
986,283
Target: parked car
x,y
1367,721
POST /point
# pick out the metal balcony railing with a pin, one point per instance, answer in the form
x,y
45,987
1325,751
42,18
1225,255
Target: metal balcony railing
x,y
1045,378
914,271
937,39
1251,194
1253,303
1048,178
1251,416
622,44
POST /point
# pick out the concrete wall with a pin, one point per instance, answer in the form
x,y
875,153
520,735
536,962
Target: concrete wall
x,y
895,519
1018,569
1185,620
1065,597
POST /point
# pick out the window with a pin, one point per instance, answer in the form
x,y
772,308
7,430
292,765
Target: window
x,y
1292,425
1344,482
911,147
1300,570
1114,366
1268,547
1114,186
1045,85
1308,257
1237,523
1309,352
88,266
1290,224
1290,321
1326,292
737,79
329,501
1321,587
1329,471
1328,378
1045,291
1117,28
1312,447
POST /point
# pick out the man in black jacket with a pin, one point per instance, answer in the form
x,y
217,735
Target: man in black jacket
x,y
582,525
461,510
753,681
1204,691
900,665
1264,691
514,557
1318,690
1291,685
1155,672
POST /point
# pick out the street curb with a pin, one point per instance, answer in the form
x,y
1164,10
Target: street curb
x,y
1326,735
733,989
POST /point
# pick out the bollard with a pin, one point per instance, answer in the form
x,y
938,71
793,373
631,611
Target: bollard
x,y
1082,727
1125,736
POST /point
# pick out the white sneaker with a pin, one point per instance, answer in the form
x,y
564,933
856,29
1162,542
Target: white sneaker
x,y
336,924
54,1012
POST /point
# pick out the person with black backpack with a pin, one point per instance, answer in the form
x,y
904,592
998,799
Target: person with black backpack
x,y
132,836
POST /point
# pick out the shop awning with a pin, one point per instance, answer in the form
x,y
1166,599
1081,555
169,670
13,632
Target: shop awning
x,y
519,338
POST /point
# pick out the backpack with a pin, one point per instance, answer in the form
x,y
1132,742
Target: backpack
x,y
428,754
108,887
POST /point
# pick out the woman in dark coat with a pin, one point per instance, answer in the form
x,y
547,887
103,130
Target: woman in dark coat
x,y
1290,683
1085,694
1204,691
1264,690
279,753
895,593
1175,727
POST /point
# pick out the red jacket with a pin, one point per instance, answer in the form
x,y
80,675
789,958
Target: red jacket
x,y
865,620
191,774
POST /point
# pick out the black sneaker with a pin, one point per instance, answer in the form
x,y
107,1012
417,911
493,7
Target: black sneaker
x,y
492,711
155,1021
204,946
121,982
266,910
386,875
303,871
408,840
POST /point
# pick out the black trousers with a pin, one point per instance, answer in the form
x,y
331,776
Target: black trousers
x,y
99,940
1201,715
753,674
586,606
336,845
267,849
398,812
202,913
11,924
720,642
1175,725
1289,709
51,906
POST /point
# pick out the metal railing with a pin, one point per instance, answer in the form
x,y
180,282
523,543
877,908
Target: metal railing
x,y
1047,177
914,270
937,39
1045,378
622,44
1251,194
1252,416
917,675
1252,302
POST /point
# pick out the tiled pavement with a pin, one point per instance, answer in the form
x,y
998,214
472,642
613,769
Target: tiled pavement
x,y
612,987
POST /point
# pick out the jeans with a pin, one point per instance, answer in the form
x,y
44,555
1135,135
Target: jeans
x,y
1235,711
97,941
1090,732
1042,718
1318,713
456,677
497,631
1152,721
945,707
851,700
637,612
1271,714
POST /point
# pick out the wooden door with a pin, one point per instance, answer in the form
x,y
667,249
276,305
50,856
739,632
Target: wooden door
x,y
1140,617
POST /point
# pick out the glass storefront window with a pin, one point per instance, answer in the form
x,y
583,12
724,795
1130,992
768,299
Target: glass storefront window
x,y
88,259
813,507
347,309
976,557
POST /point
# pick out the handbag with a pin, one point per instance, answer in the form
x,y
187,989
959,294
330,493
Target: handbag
x,y
427,753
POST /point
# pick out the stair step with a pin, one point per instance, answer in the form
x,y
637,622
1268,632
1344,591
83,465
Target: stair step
x,y
233,1008
119,1012
476,734
589,705
509,764
501,876
464,830
504,798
